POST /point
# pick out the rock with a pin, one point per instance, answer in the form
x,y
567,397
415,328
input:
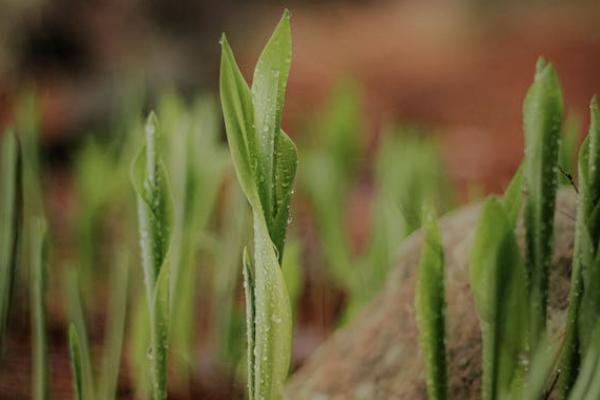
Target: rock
x,y
377,356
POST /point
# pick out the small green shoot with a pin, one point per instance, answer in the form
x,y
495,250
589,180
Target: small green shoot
x,y
542,119
11,209
430,306
154,219
76,368
498,283
39,338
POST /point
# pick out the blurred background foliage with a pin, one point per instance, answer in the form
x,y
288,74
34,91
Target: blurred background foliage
x,y
392,104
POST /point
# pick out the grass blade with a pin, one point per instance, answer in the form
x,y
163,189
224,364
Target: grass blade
x,y
238,113
75,355
268,92
39,376
498,282
513,196
542,370
542,118
273,320
430,306
11,211
154,218
249,286
587,386
159,327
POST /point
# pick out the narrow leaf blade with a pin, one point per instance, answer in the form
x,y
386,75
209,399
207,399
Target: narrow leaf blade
x,y
430,307
75,356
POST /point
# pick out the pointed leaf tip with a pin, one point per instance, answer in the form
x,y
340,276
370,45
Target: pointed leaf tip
x,y
223,40
540,65
594,104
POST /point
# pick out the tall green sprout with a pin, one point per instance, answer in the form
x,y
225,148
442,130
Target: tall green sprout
x,y
584,296
265,162
430,306
542,118
498,282
76,363
11,205
154,219
39,345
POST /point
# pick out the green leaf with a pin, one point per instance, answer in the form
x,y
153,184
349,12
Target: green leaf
x,y
273,66
154,218
154,205
268,92
292,272
39,375
75,356
542,119
587,386
567,153
430,306
159,328
273,320
11,215
498,283
238,113
286,161
542,370
589,309
591,196
594,156
513,196
249,286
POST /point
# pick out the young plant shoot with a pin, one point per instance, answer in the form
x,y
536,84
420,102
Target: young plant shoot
x,y
39,345
498,282
154,218
584,295
11,206
265,162
542,118
430,306
76,362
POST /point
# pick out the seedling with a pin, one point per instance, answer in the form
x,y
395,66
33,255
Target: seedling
x,y
265,161
154,218
430,306
542,119
76,362
11,210
39,343
498,282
